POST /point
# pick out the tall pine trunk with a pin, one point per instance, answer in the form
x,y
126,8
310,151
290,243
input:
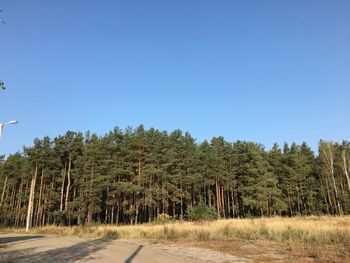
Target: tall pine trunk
x,y
4,190
62,185
31,200
39,210
233,203
217,194
68,183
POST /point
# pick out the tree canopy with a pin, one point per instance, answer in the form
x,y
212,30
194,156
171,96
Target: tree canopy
x,y
131,176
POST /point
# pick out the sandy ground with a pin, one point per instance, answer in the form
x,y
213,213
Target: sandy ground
x,y
51,248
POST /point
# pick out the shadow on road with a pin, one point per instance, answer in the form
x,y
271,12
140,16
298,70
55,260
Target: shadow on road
x,y
133,255
6,240
63,254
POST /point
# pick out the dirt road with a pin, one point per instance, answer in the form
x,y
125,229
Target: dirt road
x,y
50,248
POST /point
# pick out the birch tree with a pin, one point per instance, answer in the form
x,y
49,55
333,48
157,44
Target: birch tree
x,y
327,152
345,162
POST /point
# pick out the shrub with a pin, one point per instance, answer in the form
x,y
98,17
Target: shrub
x,y
165,218
202,212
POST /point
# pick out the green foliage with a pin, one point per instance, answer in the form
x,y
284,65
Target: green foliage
x,y
202,212
138,176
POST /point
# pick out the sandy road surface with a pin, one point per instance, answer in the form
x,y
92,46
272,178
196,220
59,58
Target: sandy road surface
x,y
50,248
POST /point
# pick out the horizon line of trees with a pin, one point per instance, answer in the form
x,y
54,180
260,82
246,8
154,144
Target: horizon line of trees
x,y
131,176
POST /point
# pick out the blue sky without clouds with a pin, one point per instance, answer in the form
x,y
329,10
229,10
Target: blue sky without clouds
x,y
266,71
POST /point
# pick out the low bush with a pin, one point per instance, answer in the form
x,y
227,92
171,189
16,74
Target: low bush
x,y
165,218
202,212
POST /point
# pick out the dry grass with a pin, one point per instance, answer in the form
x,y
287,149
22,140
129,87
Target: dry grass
x,y
318,230
316,235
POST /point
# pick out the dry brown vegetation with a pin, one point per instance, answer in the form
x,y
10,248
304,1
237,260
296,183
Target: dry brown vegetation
x,y
321,238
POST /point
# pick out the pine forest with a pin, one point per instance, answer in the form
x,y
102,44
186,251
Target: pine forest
x,y
132,176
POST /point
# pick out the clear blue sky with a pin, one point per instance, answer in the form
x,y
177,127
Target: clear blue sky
x,y
266,71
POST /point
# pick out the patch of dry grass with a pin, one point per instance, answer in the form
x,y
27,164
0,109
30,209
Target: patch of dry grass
x,y
318,230
310,233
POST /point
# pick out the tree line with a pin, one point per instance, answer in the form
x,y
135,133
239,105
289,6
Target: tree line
x,y
131,176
